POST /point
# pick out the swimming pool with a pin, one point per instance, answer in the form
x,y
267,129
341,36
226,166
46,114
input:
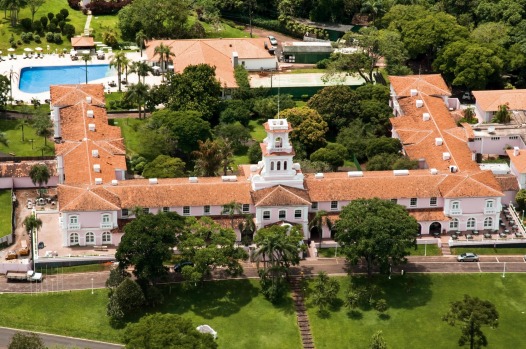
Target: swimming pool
x,y
38,79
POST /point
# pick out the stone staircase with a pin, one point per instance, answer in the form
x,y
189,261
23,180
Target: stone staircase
x,y
301,313
446,251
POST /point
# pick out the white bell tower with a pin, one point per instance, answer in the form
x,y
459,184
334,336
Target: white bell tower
x,y
276,166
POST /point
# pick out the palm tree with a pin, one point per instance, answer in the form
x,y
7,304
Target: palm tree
x,y
140,38
226,153
164,53
86,58
3,139
117,61
142,69
317,223
32,223
21,123
137,94
208,158
247,228
231,209
39,174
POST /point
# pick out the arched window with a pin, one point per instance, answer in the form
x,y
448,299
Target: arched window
x,y
488,223
73,239
284,165
278,142
453,224
90,238
272,166
278,167
471,223
106,237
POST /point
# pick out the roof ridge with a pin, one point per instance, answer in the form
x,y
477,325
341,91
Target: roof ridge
x,y
296,195
484,184
270,192
106,190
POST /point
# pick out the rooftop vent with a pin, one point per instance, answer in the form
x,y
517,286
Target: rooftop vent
x,y
88,99
419,103
446,156
426,117
433,171
253,168
355,174
96,168
95,153
229,178
152,180
439,141
491,129
91,127
453,169
114,182
318,175
414,92
98,181
192,179
401,172
516,151
89,113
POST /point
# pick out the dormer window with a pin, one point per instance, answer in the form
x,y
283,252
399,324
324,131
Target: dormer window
x,y
278,143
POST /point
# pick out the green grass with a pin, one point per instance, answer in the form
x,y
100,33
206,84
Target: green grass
x,y
416,306
235,309
257,130
489,250
74,269
131,133
101,24
430,250
25,148
225,31
5,213
307,71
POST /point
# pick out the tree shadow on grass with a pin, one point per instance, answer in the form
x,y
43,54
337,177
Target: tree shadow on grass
x,y
210,299
355,314
384,316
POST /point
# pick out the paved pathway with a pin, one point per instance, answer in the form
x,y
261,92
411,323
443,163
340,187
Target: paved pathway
x,y
302,317
87,25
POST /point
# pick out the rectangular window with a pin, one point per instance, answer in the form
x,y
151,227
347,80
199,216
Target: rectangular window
x,y
334,205
246,208
186,210
495,138
478,138
266,215
297,214
124,212
489,204
282,214
146,210
105,218
166,209
433,201
206,209
73,219
413,202
513,137
314,206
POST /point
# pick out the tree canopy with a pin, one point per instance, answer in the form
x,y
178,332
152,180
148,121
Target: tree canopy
x,y
166,331
379,231
164,166
309,128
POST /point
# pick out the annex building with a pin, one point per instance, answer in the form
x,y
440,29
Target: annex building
x,y
448,192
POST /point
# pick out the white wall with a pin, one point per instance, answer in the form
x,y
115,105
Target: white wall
x,y
259,63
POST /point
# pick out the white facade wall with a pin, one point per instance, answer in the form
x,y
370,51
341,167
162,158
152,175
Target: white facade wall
x,y
521,177
6,183
463,209
259,63
496,144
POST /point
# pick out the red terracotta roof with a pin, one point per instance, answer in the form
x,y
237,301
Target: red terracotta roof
x,y
280,196
82,41
491,100
508,182
21,169
429,84
429,215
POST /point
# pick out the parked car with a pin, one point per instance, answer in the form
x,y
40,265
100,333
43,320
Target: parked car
x,y
467,96
468,257
273,40
179,267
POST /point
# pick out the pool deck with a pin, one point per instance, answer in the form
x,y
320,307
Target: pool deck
x,y
16,65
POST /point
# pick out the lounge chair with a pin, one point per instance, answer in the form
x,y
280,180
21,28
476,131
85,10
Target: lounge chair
x,y
24,55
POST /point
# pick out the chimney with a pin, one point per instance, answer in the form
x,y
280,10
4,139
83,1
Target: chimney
x,y
446,156
235,59
438,141
419,103
152,180
96,167
425,116
414,92
88,99
433,171
89,113
516,151
91,127
98,181
95,153
114,182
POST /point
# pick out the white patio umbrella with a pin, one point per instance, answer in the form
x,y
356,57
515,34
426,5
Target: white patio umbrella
x,y
100,52
11,49
85,52
73,52
38,49
28,49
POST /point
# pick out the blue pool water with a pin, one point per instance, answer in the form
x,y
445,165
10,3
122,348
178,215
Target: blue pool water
x,y
38,79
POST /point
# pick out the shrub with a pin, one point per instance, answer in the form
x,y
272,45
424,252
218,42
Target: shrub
x,y
65,13
44,21
19,42
50,37
26,23
37,26
50,16
74,4
103,7
59,17
11,39
323,63
68,30
57,38
37,38
54,21
13,44
61,25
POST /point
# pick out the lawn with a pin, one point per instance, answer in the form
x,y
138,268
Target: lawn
x,y
482,250
235,309
416,306
5,212
257,130
75,269
130,132
426,250
25,148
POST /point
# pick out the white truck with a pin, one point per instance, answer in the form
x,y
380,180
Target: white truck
x,y
30,275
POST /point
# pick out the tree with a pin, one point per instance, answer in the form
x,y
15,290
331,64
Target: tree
x,y
254,153
278,247
231,209
116,277
21,124
334,154
381,307
14,7
309,128
196,88
237,134
383,145
147,243
39,174
34,5
208,158
382,162
160,331
247,228
165,53
520,198
164,166
32,223
27,340
140,38
270,107
86,58
377,341
137,94
336,104
208,246
317,223
503,115
125,300
379,231
325,292
5,88
472,313
142,69
43,126
118,60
